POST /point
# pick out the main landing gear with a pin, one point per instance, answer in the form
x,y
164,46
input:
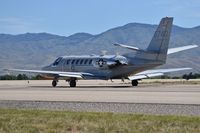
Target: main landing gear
x,y
72,83
54,83
134,83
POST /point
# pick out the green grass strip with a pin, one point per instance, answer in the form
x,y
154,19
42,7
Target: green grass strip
x,y
34,121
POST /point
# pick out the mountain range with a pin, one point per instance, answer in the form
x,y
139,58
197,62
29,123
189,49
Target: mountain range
x,y
35,50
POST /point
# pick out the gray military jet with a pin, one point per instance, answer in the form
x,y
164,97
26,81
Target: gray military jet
x,y
134,65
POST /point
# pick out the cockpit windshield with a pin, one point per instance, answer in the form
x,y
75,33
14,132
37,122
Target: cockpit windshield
x,y
56,62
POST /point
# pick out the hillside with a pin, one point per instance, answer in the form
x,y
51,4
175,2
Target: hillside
x,y
34,50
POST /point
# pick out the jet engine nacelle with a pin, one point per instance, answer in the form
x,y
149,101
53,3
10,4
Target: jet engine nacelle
x,y
108,63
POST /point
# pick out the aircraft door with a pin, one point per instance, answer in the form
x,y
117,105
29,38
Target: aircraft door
x,y
62,64
66,65
72,65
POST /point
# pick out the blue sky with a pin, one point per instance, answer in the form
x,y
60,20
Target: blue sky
x,y
66,17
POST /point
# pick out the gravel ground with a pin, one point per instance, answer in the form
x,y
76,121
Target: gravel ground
x,y
157,109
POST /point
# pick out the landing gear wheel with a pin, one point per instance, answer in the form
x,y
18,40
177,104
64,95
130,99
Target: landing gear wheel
x,y
134,83
54,83
72,83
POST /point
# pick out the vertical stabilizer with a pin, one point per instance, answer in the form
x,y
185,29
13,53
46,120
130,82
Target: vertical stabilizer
x,y
160,41
157,50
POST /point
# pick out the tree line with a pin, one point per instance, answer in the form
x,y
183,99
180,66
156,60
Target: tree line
x,y
20,77
38,77
185,76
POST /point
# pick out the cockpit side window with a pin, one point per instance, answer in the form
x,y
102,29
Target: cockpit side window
x,y
56,62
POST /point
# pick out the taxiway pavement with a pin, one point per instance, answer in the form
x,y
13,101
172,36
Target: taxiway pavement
x,y
100,91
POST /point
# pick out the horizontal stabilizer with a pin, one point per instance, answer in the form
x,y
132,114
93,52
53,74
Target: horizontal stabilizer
x,y
155,73
126,46
178,49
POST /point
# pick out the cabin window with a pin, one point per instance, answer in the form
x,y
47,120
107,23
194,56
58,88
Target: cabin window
x,y
73,61
81,62
56,62
90,62
85,62
77,61
68,62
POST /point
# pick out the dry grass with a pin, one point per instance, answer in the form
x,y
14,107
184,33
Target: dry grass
x,y
170,81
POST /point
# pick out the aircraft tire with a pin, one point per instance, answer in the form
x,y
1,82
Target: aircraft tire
x,y
72,83
134,83
54,83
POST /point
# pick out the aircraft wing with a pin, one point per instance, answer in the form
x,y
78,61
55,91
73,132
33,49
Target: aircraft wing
x,y
78,75
174,50
154,73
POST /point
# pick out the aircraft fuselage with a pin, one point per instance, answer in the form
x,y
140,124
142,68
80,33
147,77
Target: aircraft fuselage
x,y
102,67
